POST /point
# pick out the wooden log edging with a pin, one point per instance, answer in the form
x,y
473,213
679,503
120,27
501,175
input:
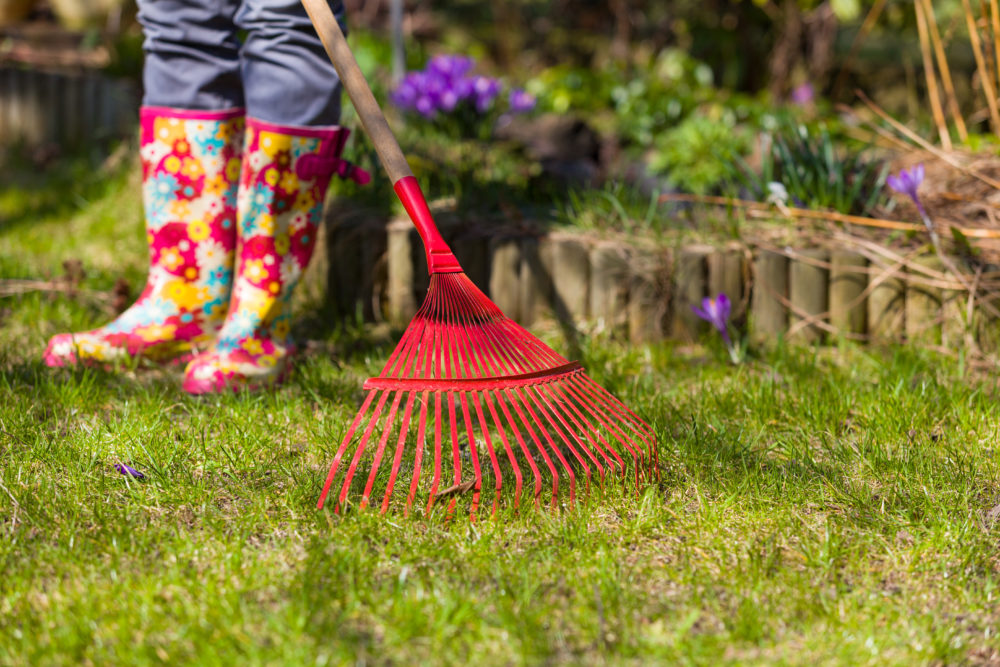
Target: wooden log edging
x,y
644,293
70,107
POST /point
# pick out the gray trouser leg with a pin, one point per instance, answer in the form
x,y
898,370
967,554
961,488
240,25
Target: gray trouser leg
x,y
288,78
192,54
280,73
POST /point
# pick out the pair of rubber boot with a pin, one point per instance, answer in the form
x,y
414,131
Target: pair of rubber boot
x,y
232,208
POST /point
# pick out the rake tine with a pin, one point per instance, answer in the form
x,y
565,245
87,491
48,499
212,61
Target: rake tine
x,y
477,347
400,445
651,457
437,414
622,440
518,479
485,429
437,450
540,448
625,440
540,423
507,358
343,447
455,353
373,420
558,425
473,452
456,454
520,441
411,339
426,339
386,432
471,369
589,429
419,454
627,415
545,394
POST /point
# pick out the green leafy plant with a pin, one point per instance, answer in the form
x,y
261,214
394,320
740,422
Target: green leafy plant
x,y
698,154
646,98
814,170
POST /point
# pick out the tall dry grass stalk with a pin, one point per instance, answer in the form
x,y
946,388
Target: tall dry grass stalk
x,y
986,76
937,109
984,38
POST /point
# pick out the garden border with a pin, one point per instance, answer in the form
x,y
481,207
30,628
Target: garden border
x,y
839,285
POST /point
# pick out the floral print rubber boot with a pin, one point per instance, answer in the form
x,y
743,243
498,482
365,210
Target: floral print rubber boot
x,y
286,172
190,168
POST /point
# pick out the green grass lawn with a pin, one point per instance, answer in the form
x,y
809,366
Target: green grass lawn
x,y
815,507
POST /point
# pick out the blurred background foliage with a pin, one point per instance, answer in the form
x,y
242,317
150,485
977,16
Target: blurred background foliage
x,y
700,96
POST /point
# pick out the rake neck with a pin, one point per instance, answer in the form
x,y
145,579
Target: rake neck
x,y
440,259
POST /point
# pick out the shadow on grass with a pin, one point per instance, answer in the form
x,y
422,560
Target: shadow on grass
x,y
83,386
30,191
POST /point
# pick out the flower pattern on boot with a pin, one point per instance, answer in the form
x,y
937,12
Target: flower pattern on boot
x,y
285,176
190,168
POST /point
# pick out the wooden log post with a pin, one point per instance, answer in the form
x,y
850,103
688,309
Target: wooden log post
x,y
34,108
505,275
648,293
609,270
473,252
768,312
91,103
6,93
923,301
690,287
54,107
536,280
373,271
401,299
19,104
848,281
986,326
74,98
418,257
808,292
957,328
4,101
955,324
886,301
344,267
726,275
567,259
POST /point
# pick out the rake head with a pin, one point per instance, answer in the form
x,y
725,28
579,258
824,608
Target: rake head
x,y
471,403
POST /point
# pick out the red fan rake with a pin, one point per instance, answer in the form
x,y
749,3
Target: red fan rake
x,y
494,407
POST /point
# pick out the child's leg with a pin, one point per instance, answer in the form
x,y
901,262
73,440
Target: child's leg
x,y
293,147
192,54
288,77
191,144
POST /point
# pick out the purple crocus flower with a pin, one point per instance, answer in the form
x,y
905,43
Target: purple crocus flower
x,y
446,84
128,470
907,183
716,312
803,95
485,91
425,106
450,67
520,101
406,93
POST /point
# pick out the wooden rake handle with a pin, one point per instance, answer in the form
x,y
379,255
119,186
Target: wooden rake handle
x,y
439,256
